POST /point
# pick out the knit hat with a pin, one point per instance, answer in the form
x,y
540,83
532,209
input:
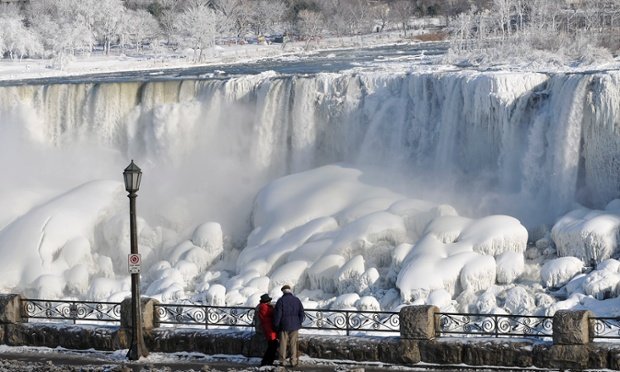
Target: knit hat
x,y
285,287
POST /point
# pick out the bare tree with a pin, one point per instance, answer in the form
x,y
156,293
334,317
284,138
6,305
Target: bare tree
x,y
310,25
402,11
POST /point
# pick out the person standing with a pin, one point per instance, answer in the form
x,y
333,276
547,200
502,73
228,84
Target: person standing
x,y
288,316
264,312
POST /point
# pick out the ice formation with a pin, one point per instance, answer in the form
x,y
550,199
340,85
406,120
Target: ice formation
x,y
361,189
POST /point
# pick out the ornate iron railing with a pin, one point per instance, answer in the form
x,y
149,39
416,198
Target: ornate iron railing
x,y
71,311
492,325
338,321
352,321
207,316
605,327
324,320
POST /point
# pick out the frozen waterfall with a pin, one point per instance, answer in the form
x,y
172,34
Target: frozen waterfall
x,y
527,145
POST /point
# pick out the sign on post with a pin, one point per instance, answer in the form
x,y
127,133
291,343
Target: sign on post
x,y
134,260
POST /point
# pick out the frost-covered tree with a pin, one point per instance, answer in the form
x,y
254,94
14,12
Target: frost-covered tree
x,y
195,26
310,25
16,40
265,15
139,26
402,11
108,22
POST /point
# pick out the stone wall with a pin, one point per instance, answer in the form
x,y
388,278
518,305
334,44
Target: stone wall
x,y
417,343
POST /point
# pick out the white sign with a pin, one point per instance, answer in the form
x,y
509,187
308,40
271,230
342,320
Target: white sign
x,y
134,260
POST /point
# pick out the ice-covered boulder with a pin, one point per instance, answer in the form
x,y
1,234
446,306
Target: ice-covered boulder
x,y
557,272
494,235
601,284
478,274
510,265
591,235
519,301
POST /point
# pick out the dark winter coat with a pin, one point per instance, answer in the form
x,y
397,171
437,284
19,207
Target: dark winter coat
x,y
288,314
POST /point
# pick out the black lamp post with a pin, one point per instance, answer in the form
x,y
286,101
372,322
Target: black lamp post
x,y
133,175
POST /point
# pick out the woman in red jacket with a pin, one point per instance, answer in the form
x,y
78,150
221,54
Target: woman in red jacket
x,y
265,316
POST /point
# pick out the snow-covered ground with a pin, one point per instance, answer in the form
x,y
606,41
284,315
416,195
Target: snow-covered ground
x,y
344,235
19,358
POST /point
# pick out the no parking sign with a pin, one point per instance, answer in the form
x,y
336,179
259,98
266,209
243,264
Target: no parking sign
x,y
134,260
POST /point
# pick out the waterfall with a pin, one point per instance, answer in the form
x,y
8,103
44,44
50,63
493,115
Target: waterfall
x,y
525,144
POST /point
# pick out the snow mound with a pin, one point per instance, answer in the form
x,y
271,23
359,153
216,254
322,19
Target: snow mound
x,y
557,272
590,235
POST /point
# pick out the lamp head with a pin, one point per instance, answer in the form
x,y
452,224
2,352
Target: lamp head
x,y
132,175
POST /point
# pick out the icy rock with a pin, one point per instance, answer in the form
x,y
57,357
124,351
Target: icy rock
x,y
348,277
610,265
322,273
557,272
478,274
510,265
440,298
291,273
519,301
587,234
601,284
487,302
216,295
346,301
447,228
494,235
368,303
210,237
575,284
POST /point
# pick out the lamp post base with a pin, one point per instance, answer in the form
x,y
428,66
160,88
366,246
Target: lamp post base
x,y
137,350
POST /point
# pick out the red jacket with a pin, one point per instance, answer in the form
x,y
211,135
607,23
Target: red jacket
x,y
265,314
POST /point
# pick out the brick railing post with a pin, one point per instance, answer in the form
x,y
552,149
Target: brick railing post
x,y
418,322
572,327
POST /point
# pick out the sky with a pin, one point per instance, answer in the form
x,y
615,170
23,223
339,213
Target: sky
x,y
408,207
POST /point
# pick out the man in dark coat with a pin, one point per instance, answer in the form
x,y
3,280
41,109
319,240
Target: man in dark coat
x,y
288,316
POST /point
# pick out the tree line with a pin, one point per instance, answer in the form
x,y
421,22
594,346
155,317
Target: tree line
x,y
60,29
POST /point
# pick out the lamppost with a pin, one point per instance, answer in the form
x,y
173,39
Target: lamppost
x,y
132,176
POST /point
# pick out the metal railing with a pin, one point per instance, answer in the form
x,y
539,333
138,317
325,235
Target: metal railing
x,y
605,327
493,325
73,311
204,316
346,321
338,321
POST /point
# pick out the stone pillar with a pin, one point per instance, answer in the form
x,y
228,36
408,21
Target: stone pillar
x,y
418,322
147,306
11,309
572,327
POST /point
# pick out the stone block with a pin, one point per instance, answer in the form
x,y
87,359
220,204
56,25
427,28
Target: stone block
x,y
418,322
409,352
10,309
498,353
340,347
599,356
441,352
561,356
572,327
147,308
